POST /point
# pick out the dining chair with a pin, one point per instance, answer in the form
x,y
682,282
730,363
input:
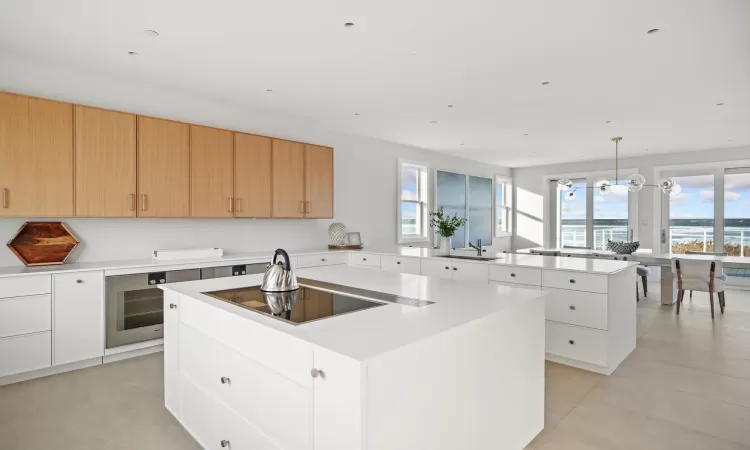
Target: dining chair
x,y
545,252
641,271
721,275
696,275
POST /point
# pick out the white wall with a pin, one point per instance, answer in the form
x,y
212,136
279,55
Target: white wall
x,y
365,172
530,191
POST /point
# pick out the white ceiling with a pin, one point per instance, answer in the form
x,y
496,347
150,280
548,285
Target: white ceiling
x,y
405,61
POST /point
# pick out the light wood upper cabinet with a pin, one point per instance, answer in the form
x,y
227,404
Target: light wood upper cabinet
x,y
252,176
211,172
36,157
105,163
288,179
163,168
318,182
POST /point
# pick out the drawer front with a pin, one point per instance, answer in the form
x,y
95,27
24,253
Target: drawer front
x,y
25,353
576,281
323,259
586,309
578,343
24,315
436,268
400,264
470,272
518,275
248,388
516,285
25,285
364,259
273,349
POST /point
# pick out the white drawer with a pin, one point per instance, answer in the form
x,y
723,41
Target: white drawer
x,y
323,259
578,343
25,353
284,354
516,285
586,309
400,264
24,315
466,271
437,268
515,274
25,285
364,259
577,281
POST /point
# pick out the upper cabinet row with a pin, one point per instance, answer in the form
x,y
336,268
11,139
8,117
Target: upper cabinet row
x,y
63,160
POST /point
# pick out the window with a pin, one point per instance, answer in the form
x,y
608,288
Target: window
x,y
412,225
691,214
469,197
737,212
572,215
503,207
611,215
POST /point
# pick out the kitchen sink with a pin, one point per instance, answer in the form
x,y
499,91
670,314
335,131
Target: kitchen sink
x,y
473,258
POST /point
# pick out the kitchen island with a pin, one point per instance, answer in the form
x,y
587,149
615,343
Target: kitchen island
x,y
430,364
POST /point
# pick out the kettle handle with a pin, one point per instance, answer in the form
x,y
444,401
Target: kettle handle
x,y
282,252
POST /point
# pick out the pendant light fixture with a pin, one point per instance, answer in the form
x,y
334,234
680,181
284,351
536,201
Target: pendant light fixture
x,y
635,183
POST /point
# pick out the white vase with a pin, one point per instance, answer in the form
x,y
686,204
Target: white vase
x,y
444,245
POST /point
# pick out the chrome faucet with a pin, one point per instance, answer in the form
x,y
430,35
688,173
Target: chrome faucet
x,y
477,247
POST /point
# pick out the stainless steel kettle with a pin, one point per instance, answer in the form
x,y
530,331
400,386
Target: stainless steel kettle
x,y
279,276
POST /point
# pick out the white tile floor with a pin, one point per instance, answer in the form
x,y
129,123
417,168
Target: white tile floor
x,y
686,386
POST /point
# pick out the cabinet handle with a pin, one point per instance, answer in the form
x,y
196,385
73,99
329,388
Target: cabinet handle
x,y
323,259
301,207
172,306
308,207
572,281
225,443
364,259
225,380
572,307
455,268
5,197
447,268
398,262
572,342
79,281
231,204
239,205
132,202
315,373
513,275
143,202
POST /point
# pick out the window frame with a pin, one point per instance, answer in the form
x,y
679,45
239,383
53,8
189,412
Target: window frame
x,y
423,200
467,175
507,183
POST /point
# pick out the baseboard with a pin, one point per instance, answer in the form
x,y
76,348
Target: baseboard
x,y
579,364
47,371
119,356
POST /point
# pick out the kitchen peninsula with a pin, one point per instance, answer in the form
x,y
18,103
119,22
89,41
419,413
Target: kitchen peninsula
x,y
432,364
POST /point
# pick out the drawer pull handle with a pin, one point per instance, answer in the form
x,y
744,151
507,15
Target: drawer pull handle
x,y
572,307
172,306
398,262
79,281
225,443
513,275
572,342
225,380
446,267
315,373
364,259
572,281
455,268
323,259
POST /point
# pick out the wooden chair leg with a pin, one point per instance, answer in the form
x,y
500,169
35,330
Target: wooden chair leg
x,y
637,295
711,295
691,294
722,302
679,300
644,280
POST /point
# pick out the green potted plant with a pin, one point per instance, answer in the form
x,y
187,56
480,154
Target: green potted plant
x,y
446,226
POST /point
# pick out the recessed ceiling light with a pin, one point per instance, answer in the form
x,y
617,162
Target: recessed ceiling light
x,y
720,104
609,121
450,106
132,53
356,114
462,144
269,90
349,24
652,31
526,134
545,83
151,33
433,121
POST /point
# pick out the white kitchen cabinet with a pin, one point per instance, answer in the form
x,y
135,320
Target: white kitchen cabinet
x,y
25,285
516,275
25,315
436,268
400,264
172,352
78,311
466,271
364,260
25,353
323,259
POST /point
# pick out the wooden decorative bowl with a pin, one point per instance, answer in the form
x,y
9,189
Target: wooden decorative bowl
x,y
345,247
43,243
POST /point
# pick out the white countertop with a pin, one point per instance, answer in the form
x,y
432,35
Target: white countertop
x,y
647,256
367,333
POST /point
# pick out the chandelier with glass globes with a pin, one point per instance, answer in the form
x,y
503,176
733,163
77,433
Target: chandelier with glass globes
x,y
636,181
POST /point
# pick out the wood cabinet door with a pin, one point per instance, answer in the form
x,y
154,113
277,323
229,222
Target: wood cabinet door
x,y
211,172
163,168
288,176
318,182
252,176
105,163
36,157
